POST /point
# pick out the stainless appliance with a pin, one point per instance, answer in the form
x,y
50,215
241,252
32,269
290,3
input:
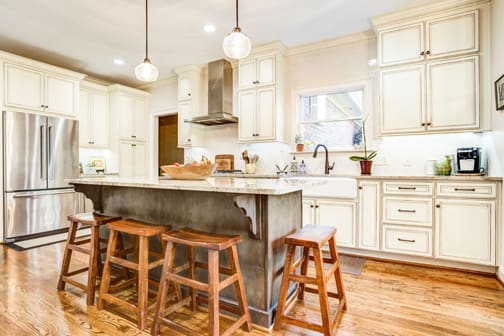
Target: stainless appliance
x,y
39,153
220,95
470,160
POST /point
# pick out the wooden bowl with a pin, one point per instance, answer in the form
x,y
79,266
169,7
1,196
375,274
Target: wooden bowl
x,y
189,172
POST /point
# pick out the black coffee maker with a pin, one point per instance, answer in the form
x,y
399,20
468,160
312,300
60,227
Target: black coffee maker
x,y
470,161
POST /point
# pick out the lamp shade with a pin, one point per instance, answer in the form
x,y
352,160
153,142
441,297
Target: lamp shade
x,y
146,71
236,45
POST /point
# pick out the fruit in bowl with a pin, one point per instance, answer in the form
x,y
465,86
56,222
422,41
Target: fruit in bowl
x,y
192,171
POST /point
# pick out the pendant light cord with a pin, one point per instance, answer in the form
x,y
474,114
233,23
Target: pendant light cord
x,y
147,29
237,14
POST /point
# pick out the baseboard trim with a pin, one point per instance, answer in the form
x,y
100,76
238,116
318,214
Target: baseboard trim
x,y
499,275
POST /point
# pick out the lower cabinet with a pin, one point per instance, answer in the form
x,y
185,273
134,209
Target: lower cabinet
x,y
465,230
369,215
407,240
338,213
132,159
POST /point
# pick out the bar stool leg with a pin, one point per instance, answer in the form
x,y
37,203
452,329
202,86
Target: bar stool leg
x,y
241,296
338,277
94,254
322,292
192,274
105,281
143,283
284,288
67,256
304,270
213,293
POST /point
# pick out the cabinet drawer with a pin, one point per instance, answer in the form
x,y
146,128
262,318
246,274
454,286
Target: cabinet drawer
x,y
404,211
408,188
407,241
471,190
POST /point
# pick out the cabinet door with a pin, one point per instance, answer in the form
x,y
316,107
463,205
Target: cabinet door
x,y
465,231
402,100
184,128
453,94
140,119
265,113
247,74
99,119
401,45
84,118
125,159
185,87
308,212
23,87
247,115
265,71
369,214
126,106
340,215
61,95
452,35
139,160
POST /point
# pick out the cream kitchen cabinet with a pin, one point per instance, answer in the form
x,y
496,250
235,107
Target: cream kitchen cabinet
x,y
257,72
257,114
93,116
439,36
189,82
465,230
28,87
188,133
369,215
330,212
439,96
130,108
132,159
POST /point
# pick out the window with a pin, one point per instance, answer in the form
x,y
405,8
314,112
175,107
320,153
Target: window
x,y
333,119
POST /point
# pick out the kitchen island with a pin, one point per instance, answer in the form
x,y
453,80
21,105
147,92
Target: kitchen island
x,y
262,211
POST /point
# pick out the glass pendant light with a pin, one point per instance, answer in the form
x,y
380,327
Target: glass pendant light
x,y
146,71
236,45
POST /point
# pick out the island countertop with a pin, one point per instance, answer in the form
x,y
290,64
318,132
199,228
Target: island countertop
x,y
259,186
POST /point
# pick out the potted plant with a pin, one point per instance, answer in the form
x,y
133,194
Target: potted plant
x,y
365,161
298,139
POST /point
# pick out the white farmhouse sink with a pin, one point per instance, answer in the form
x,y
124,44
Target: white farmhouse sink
x,y
337,187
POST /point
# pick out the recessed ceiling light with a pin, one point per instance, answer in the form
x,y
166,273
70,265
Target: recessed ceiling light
x,y
209,28
119,61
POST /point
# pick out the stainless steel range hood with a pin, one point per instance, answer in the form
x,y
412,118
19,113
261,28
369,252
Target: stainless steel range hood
x,y
220,95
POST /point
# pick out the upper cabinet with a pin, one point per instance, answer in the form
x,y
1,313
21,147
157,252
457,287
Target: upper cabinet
x,y
27,86
93,116
261,92
130,109
435,69
440,37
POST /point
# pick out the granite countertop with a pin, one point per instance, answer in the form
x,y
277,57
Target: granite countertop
x,y
260,186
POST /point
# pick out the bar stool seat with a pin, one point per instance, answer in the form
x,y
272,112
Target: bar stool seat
x,y
94,221
312,237
140,232
213,243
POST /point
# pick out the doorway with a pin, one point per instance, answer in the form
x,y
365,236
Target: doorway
x,y
168,152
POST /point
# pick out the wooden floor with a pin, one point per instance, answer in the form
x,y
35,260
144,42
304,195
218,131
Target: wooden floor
x,y
386,299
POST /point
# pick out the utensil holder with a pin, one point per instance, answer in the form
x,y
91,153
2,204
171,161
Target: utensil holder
x,y
250,168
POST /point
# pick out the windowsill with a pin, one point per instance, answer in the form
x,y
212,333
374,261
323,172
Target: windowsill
x,y
336,151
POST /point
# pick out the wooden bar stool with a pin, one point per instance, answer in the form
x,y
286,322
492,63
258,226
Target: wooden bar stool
x,y
213,243
312,237
94,221
140,232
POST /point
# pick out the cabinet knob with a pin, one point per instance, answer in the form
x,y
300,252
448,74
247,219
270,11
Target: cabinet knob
x,y
311,206
429,124
360,188
89,142
189,94
427,52
316,206
423,124
133,145
438,206
47,106
189,140
42,106
133,136
422,53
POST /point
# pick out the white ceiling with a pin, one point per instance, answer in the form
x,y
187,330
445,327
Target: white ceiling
x,y
87,35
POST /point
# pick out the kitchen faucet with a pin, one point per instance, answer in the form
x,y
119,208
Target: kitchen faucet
x,y
326,167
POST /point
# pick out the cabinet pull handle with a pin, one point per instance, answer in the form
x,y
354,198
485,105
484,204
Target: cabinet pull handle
x,y
410,211
133,136
465,189
406,240
406,188
133,145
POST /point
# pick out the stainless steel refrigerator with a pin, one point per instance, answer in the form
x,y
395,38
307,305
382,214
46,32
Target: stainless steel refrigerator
x,y
39,153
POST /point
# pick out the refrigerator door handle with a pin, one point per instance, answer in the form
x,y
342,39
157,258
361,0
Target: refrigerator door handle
x,y
50,174
36,194
42,151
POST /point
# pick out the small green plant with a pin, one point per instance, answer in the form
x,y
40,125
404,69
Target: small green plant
x,y
366,157
298,139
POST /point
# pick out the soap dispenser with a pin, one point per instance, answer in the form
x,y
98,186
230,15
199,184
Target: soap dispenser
x,y
294,166
302,167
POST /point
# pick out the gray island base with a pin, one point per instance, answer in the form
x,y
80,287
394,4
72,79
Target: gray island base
x,y
263,212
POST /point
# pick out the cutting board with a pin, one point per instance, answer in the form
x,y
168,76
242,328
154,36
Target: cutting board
x,y
224,162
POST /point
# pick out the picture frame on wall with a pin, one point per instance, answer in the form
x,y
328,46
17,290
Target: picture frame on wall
x,y
499,93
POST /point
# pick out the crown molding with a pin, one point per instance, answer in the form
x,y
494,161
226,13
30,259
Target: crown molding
x,y
361,36
118,88
186,68
415,12
163,82
272,47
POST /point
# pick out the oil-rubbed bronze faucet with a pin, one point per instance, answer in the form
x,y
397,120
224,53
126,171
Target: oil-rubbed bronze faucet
x,y
326,167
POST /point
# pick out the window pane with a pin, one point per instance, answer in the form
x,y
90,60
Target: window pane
x,y
332,106
334,134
